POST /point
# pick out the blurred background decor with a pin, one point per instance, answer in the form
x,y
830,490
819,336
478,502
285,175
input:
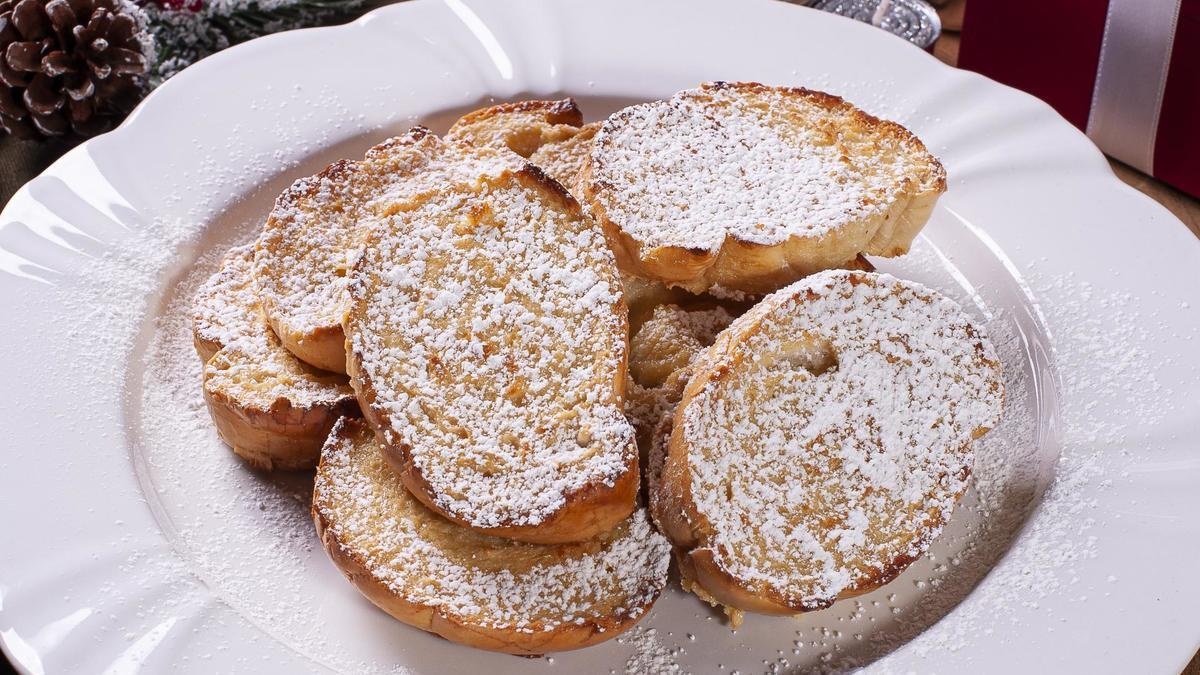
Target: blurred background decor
x,y
72,68
77,67
1126,72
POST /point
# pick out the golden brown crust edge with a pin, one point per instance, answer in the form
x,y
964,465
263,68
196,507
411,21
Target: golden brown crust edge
x,y
324,348
564,112
563,637
758,268
675,512
321,347
280,437
588,512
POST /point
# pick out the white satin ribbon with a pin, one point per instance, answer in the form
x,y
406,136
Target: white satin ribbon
x,y
1131,77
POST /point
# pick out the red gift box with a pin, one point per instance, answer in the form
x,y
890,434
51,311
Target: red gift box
x,y
1127,72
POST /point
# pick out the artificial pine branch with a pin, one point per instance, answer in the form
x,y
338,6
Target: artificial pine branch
x,y
186,31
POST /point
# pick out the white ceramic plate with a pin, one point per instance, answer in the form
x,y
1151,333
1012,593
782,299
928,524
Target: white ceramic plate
x,y
133,539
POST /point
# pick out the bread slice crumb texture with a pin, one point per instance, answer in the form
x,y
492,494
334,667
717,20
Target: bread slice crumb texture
x,y
550,134
488,342
826,436
252,367
485,591
738,168
315,231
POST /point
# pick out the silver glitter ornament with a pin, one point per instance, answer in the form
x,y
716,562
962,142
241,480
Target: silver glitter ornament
x,y
914,20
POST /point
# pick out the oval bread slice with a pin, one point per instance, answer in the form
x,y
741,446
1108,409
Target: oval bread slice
x,y
316,230
272,409
477,590
487,346
751,187
824,440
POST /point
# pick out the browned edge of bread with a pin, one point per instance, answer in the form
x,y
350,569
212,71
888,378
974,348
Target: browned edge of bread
x,y
675,512
688,267
279,437
563,637
588,512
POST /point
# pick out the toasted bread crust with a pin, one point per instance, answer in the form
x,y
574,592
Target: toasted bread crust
x,y
536,637
886,227
279,437
273,410
318,225
550,134
675,505
586,510
522,127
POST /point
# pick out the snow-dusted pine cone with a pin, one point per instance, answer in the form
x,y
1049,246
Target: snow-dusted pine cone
x,y
68,66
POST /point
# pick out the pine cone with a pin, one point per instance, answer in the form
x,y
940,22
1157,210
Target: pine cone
x,y
67,66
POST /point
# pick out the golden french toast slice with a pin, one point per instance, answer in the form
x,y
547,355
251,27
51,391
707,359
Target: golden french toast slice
x,y
478,590
824,440
272,409
316,230
487,339
751,187
671,339
550,134
669,328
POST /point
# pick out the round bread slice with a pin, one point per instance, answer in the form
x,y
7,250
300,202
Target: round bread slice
x,y
550,134
477,590
824,440
316,230
487,346
751,187
272,409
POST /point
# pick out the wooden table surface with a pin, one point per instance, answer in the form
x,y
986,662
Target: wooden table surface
x,y
20,161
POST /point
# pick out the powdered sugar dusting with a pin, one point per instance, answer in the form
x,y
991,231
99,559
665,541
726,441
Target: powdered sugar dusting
x,y
489,322
227,305
316,230
251,366
249,536
714,162
479,580
650,656
863,393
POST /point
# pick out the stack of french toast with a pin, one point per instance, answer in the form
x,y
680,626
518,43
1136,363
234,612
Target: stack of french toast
x,y
533,360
